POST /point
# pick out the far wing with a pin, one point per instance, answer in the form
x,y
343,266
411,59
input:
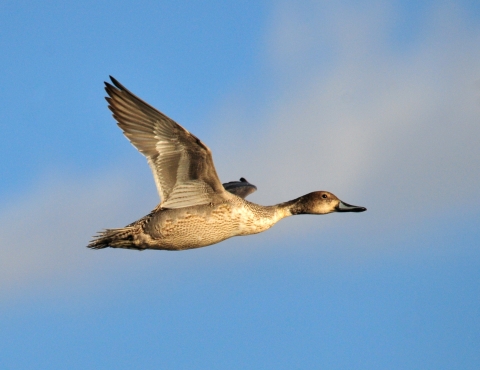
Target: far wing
x,y
240,188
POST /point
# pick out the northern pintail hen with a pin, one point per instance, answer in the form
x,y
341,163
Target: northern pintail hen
x,y
196,210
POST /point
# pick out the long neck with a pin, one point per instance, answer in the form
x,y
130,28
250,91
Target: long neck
x,y
290,208
270,215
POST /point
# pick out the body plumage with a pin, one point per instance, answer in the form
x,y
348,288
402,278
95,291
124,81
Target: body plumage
x,y
196,210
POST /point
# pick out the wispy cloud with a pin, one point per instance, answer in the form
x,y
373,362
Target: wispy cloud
x,y
44,234
373,121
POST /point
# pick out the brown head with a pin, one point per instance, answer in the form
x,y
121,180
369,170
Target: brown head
x,y
320,203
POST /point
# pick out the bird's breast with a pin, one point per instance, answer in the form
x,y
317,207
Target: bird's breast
x,y
195,227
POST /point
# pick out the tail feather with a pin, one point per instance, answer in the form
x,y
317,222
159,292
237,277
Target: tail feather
x,y
114,238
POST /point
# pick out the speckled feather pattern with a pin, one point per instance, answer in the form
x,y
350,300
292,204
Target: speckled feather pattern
x,y
195,227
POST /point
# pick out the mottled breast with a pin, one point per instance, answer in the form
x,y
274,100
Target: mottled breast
x,y
199,226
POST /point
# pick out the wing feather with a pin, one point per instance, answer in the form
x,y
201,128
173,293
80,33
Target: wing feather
x,y
181,164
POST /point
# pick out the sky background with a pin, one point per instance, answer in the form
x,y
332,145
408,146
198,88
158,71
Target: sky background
x,y
375,101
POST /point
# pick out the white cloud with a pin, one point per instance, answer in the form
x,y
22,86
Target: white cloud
x,y
375,124
44,234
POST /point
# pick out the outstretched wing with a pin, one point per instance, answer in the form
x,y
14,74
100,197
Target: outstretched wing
x,y
182,165
240,188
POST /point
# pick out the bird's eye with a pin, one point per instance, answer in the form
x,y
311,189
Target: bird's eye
x,y
324,196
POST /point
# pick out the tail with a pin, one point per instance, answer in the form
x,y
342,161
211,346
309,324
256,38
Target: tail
x,y
114,238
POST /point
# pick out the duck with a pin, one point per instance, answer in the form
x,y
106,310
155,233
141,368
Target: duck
x,y
196,209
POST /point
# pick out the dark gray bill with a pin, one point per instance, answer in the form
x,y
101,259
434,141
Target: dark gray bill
x,y
344,207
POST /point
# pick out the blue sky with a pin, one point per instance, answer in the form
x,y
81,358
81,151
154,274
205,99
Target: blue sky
x,y
378,102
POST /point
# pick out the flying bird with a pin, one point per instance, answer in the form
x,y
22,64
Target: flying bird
x,y
196,209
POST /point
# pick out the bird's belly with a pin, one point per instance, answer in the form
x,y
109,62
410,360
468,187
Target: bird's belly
x,y
194,230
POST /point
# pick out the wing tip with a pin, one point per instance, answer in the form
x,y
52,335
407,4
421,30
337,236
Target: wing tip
x,y
116,85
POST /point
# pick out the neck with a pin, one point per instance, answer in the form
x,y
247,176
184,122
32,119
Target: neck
x,y
291,208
